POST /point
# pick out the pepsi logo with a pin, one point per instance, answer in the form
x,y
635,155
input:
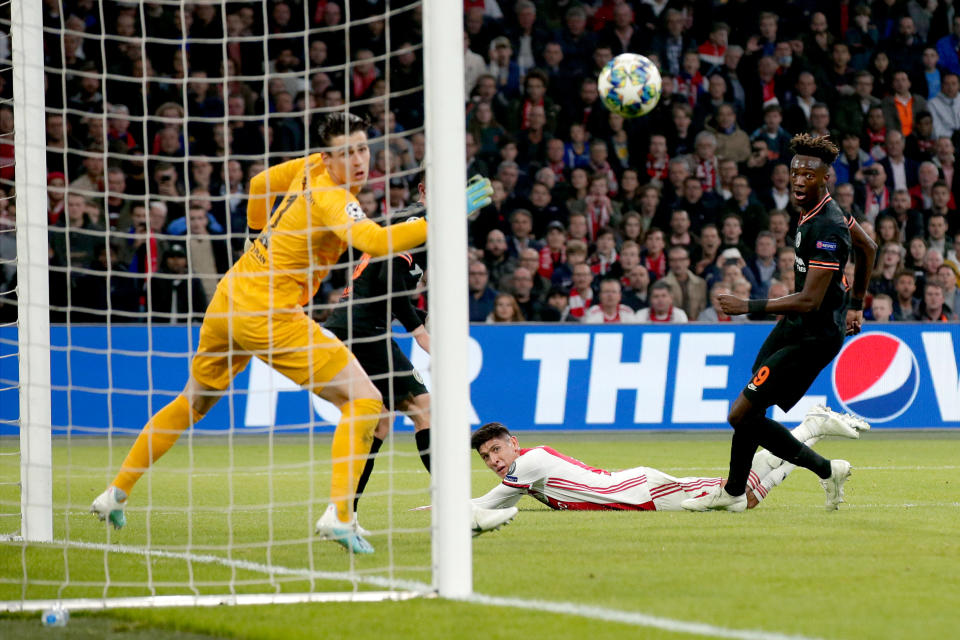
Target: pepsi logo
x,y
876,376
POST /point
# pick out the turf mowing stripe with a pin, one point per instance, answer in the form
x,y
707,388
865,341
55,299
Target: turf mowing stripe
x,y
632,618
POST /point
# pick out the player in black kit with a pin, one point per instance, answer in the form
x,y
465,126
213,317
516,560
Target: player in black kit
x,y
810,334
379,292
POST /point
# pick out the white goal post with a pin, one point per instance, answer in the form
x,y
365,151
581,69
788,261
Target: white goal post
x,y
54,521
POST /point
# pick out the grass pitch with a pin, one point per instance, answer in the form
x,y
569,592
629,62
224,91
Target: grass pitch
x,y
887,565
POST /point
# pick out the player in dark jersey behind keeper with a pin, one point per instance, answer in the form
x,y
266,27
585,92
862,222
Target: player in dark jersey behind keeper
x,y
810,334
380,291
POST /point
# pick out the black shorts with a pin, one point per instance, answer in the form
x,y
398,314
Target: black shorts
x,y
787,364
388,367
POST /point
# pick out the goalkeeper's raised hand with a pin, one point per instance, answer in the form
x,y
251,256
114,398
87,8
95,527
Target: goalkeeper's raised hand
x,y
479,192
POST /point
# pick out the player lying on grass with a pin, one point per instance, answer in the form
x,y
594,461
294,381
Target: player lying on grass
x,y
258,310
561,482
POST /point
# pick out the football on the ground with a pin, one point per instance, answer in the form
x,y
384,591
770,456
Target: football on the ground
x,y
630,85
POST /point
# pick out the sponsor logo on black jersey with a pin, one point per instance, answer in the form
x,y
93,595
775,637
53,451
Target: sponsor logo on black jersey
x,y
827,246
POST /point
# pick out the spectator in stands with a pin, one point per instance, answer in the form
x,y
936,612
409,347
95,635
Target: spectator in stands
x,y
105,292
945,107
680,234
556,308
905,305
875,196
702,206
937,239
175,295
710,243
521,233
777,196
554,252
933,308
948,280
796,116
901,171
563,272
902,108
582,294
687,290
522,285
881,310
605,254
505,309
891,264
947,48
661,307
852,160
75,237
745,205
209,255
731,234
714,313
636,284
609,309
776,137
482,296
530,260
732,141
56,201
653,257
909,221
763,264
499,263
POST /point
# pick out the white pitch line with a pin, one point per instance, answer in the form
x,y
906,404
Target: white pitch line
x,y
568,608
246,565
632,618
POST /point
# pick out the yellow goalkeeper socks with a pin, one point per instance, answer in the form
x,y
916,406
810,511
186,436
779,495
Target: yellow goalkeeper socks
x,y
351,445
155,439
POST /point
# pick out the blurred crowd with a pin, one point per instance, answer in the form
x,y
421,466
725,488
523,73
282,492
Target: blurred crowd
x,y
158,114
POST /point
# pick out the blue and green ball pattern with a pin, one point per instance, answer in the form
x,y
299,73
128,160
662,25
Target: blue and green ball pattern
x,y
630,85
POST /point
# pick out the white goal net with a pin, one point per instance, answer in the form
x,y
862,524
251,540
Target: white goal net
x,y
131,136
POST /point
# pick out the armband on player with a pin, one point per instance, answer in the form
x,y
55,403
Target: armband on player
x,y
756,306
856,304
479,194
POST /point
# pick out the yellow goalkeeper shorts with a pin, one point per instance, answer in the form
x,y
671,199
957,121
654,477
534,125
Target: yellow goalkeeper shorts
x,y
287,340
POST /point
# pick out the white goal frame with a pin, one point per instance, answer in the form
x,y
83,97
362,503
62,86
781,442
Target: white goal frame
x,y
446,170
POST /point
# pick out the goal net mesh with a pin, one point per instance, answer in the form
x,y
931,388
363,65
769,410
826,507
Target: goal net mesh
x,y
156,117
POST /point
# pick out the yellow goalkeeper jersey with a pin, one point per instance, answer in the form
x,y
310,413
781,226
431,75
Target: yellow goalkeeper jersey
x,y
313,225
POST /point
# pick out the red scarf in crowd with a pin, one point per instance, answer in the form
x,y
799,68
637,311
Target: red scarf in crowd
x,y
654,318
657,169
656,266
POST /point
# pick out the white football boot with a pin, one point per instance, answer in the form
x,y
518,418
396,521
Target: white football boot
x,y
484,520
840,471
843,425
716,500
345,534
110,505
358,527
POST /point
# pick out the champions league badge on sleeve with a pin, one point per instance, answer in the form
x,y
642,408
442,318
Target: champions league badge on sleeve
x,y
876,376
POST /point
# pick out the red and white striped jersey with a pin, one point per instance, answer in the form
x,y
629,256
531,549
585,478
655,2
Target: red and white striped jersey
x,y
562,482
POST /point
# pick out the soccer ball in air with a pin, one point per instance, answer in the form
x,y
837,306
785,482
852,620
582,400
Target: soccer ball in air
x,y
630,85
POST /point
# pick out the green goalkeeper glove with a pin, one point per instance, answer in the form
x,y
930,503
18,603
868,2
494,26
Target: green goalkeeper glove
x,y
479,192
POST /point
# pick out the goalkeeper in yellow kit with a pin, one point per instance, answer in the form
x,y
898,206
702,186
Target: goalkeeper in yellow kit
x,y
257,310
